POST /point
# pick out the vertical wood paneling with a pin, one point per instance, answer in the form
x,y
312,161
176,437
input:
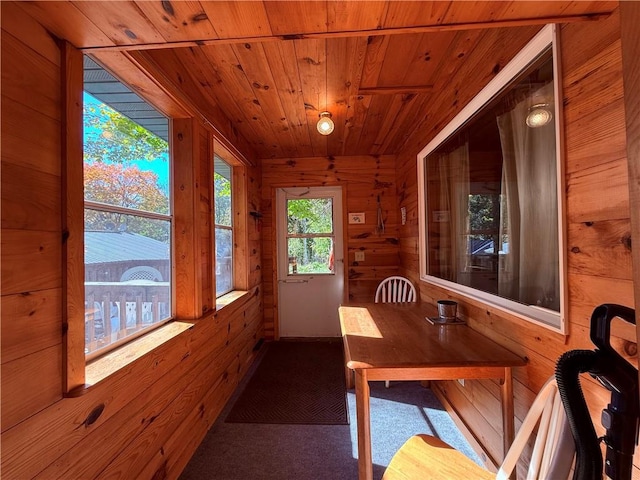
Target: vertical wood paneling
x,y
184,146
205,201
73,311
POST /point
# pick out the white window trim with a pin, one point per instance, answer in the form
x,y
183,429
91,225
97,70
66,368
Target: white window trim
x,y
546,318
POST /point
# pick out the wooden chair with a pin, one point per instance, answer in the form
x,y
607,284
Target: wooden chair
x,y
424,456
395,289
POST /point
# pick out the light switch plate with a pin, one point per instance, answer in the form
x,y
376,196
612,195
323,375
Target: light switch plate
x,y
360,256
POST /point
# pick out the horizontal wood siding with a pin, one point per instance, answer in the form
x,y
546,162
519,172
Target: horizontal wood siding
x,y
31,219
364,178
146,419
598,229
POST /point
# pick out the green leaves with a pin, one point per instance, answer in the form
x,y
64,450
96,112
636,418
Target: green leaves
x,y
111,136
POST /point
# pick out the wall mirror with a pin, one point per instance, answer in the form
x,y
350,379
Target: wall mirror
x,y
490,193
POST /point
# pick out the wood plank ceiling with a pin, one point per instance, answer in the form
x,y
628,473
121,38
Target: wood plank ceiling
x,y
268,68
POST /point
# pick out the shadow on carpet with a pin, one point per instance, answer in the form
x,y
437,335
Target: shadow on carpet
x,y
296,382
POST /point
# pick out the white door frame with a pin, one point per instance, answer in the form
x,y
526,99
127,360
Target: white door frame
x,y
281,193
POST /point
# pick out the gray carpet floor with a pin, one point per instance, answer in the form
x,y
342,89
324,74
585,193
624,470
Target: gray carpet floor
x,y
238,451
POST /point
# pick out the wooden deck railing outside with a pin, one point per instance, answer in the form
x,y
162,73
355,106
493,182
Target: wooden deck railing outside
x,y
114,310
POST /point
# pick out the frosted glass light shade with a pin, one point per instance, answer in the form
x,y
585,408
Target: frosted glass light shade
x,y
325,124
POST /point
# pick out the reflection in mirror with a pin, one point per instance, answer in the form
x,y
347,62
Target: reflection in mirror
x,y
491,200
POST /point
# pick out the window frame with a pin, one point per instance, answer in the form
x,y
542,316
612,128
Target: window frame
x,y
231,227
243,207
298,194
555,321
104,207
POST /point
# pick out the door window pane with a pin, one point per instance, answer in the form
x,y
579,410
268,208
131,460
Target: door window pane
x,y
310,255
310,235
310,215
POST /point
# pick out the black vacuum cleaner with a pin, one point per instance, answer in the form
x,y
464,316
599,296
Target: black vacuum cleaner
x,y
619,418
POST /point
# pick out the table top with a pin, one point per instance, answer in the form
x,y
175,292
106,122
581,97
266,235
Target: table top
x,y
396,335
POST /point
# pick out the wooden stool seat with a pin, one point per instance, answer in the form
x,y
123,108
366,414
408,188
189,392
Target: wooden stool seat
x,y
424,456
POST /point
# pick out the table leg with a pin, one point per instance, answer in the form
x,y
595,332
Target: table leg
x,y
365,461
348,375
506,398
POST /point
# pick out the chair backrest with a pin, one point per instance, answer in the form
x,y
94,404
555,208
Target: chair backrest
x,y
554,448
394,290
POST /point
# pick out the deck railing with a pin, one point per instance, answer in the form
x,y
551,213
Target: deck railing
x,y
115,310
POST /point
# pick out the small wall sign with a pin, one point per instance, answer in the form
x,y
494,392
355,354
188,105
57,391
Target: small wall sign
x,y
356,217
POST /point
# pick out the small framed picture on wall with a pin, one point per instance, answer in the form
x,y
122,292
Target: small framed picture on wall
x,y
356,217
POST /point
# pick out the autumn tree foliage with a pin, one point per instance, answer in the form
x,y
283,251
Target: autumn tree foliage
x,y
113,147
124,186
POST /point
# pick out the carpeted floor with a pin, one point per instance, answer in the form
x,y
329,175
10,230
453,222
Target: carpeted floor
x,y
247,451
295,383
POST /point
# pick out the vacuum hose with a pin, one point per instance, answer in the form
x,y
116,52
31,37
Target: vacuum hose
x,y
619,418
588,454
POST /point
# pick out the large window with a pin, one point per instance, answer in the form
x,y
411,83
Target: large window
x,y
127,214
223,225
491,223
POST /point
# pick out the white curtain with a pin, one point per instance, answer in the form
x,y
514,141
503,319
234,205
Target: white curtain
x,y
529,261
453,169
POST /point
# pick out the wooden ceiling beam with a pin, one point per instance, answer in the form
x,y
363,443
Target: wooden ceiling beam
x,y
393,90
357,33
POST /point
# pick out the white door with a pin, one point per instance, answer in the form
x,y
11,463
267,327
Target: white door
x,y
310,261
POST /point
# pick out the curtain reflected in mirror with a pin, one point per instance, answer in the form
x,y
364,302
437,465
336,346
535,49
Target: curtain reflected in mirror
x,y
528,266
492,206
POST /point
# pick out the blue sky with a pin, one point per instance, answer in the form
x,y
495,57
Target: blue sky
x,y
159,166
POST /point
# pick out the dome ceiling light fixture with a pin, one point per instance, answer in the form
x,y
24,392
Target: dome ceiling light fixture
x,y
539,115
325,124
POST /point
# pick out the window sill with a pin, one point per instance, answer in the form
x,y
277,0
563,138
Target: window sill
x,y
229,298
109,363
106,365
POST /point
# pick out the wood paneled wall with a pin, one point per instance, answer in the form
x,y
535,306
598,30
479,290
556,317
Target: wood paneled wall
x,y
147,419
365,178
31,221
598,230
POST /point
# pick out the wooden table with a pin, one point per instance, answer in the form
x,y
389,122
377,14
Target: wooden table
x,y
385,341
